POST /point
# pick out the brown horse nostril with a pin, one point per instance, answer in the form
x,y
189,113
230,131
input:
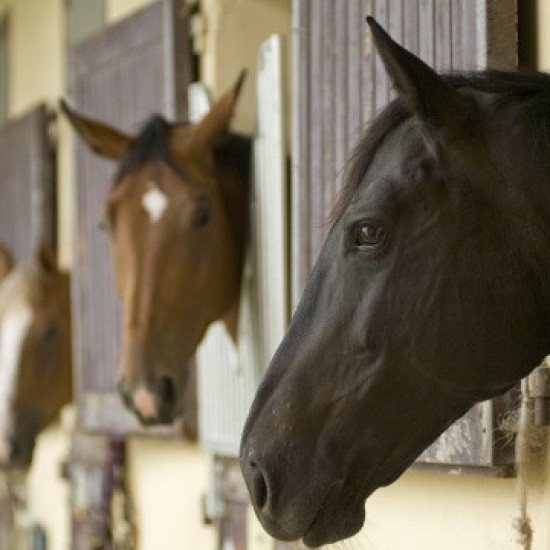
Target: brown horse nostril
x,y
257,485
166,390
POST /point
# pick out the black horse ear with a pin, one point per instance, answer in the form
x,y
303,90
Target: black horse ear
x,y
421,90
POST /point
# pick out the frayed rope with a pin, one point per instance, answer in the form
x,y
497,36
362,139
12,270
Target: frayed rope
x,y
529,438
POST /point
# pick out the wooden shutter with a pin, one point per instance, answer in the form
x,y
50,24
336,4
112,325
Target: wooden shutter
x,y
122,75
340,84
27,191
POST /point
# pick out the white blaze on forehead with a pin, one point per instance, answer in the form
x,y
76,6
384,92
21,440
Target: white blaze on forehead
x,y
155,202
13,329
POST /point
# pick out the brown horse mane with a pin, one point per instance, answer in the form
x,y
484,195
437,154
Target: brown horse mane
x,y
530,87
153,144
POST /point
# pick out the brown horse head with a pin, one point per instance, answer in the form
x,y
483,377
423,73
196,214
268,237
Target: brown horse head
x,y
176,219
35,354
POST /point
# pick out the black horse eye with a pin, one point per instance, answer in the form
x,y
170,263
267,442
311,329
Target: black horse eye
x,y
202,215
368,234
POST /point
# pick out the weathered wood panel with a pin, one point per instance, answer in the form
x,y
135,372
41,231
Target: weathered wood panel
x,y
122,75
340,85
27,187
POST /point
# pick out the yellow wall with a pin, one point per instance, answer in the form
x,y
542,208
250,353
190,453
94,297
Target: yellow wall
x,y
434,511
543,36
37,65
168,480
47,492
118,9
233,31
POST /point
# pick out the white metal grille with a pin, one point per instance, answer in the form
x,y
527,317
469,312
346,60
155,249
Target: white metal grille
x,y
228,374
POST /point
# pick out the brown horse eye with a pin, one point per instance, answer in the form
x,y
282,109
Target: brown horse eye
x,y
202,215
368,234
49,333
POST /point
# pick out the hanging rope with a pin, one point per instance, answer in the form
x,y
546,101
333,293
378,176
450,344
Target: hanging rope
x,y
522,524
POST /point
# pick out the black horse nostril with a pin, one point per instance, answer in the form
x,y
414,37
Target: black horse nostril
x,y
166,389
257,485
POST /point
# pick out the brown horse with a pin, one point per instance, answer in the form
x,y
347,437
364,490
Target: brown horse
x,y
177,220
35,352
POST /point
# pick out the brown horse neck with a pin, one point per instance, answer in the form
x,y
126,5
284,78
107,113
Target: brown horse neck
x,y
233,162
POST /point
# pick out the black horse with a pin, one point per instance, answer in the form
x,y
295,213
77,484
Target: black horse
x,y
431,293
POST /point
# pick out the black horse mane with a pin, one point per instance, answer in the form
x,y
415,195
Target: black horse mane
x,y
152,144
528,87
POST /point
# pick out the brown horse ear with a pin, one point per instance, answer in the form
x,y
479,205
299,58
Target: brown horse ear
x,y
212,128
46,258
101,138
421,90
6,261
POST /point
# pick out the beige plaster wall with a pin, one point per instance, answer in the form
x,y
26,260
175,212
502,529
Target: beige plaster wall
x,y
232,32
168,479
37,64
543,36
433,511
47,491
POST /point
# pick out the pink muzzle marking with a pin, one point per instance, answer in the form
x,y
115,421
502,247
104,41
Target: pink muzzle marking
x,y
145,403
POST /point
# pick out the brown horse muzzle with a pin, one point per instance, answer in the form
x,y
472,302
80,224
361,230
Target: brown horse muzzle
x,y
153,403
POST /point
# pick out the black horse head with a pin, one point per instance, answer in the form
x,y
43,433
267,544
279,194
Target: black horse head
x,y
430,294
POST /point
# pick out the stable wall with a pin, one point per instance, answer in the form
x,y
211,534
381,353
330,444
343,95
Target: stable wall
x,y
422,511
166,478
425,511
232,31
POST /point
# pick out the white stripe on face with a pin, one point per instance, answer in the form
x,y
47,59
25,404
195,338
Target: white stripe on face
x,y
155,202
13,331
